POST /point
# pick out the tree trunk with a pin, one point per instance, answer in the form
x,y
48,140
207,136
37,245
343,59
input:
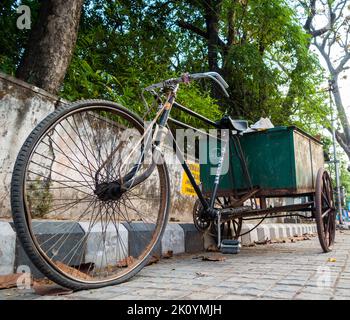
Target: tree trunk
x,y
212,12
341,110
212,24
343,138
51,44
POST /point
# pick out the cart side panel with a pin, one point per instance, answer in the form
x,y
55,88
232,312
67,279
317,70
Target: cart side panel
x,y
270,159
317,159
281,160
308,159
208,155
303,160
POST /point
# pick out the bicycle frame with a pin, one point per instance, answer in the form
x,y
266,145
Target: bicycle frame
x,y
164,117
208,205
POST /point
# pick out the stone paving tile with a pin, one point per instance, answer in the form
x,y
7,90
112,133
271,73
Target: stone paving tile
x,y
270,277
16,294
235,297
221,290
249,291
126,296
310,296
21,297
320,281
275,271
317,290
341,298
160,293
272,295
343,284
256,286
95,294
201,296
284,288
342,292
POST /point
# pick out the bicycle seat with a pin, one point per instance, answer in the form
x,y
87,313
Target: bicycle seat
x,y
228,123
239,125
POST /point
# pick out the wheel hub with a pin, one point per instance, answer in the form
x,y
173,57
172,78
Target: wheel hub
x,y
107,191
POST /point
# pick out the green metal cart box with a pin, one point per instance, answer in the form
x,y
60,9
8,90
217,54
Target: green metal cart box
x,y
281,161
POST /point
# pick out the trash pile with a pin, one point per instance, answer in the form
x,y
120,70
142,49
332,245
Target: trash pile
x,y
262,124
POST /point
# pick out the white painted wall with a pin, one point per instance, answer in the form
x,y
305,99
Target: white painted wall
x,y
22,107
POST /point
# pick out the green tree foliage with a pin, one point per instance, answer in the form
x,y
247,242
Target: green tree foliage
x,y
12,40
126,45
345,177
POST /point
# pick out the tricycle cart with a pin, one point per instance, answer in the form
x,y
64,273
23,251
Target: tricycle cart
x,y
90,190
282,162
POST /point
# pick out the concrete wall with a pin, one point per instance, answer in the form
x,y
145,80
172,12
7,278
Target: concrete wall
x,y
22,107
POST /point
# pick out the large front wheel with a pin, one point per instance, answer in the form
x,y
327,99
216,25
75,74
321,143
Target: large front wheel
x,y
76,222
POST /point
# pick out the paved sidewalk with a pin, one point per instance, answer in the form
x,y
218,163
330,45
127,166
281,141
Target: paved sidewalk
x,y
274,271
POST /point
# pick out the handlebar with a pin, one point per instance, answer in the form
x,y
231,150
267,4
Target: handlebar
x,y
187,78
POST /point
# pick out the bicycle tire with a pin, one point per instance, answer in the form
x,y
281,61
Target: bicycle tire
x,y
22,217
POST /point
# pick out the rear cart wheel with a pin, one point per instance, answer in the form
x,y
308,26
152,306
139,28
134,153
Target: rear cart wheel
x,y
325,210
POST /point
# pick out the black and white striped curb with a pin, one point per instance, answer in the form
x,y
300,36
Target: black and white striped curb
x,y
178,237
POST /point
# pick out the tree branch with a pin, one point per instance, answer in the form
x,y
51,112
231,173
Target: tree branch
x,y
191,27
198,31
340,137
308,27
342,142
321,49
342,63
311,14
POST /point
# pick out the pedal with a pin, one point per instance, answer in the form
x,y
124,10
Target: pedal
x,y
230,246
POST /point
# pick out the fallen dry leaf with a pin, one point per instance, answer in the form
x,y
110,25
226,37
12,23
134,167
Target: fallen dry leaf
x,y
85,267
297,238
167,255
309,234
72,271
200,274
213,258
332,260
213,248
266,241
43,281
9,281
50,290
154,259
249,245
277,240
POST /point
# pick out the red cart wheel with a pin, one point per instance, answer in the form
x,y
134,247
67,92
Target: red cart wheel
x,y
325,210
